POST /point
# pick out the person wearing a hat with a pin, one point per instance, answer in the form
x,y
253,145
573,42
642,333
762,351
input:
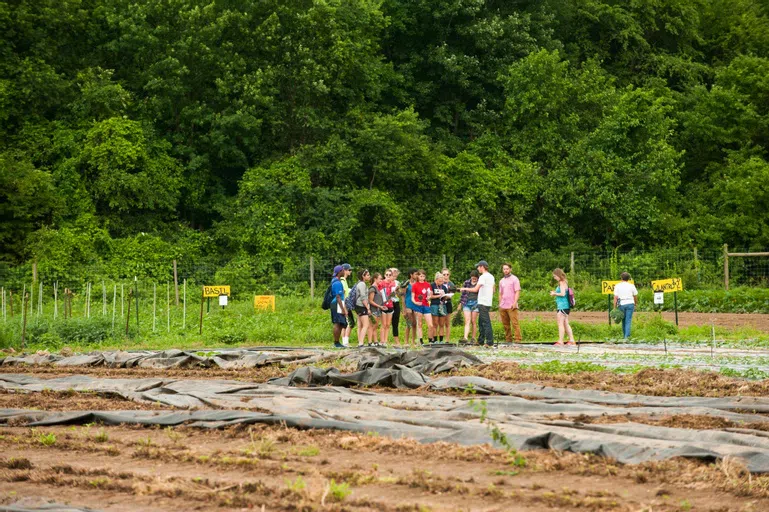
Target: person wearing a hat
x,y
485,289
338,309
350,317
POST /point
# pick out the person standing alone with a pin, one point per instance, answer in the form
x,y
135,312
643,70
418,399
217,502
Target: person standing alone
x,y
626,298
485,289
509,291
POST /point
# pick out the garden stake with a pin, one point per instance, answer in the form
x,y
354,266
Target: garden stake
x,y
10,299
168,307
55,299
114,297
154,303
24,302
202,300
136,295
40,300
184,307
103,298
128,316
665,341
122,302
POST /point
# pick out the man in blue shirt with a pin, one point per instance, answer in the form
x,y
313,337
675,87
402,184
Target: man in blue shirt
x,y
338,309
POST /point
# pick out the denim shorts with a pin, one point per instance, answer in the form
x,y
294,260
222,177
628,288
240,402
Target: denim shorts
x,y
425,310
439,310
471,306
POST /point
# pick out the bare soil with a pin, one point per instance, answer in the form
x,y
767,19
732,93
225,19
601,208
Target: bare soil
x,y
730,320
690,421
124,468
650,381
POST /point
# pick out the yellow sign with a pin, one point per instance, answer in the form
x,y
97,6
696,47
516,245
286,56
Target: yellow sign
x,y
215,291
668,285
607,287
264,302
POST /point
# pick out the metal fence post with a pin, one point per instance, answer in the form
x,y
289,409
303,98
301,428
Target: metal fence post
x,y
312,277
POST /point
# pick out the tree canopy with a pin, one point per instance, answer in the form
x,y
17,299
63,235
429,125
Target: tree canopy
x,y
263,131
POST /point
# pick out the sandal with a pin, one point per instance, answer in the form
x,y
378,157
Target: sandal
x,y
558,344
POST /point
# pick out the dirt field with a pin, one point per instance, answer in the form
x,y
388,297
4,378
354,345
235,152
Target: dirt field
x,y
731,320
122,468
271,468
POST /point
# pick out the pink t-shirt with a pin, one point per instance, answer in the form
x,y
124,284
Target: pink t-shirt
x,y
507,287
389,289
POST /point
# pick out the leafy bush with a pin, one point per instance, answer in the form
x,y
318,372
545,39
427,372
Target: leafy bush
x,y
84,330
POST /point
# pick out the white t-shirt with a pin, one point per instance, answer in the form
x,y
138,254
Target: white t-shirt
x,y
625,292
486,292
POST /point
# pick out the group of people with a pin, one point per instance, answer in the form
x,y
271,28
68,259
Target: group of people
x,y
380,302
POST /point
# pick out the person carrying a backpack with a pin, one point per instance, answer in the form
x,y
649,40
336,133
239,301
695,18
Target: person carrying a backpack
x,y
563,303
350,317
338,309
359,294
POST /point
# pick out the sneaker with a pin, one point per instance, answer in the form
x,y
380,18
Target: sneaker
x,y
471,341
338,345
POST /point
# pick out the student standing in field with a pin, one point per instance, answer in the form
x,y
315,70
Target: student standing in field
x,y
562,306
437,307
485,289
450,288
420,296
387,290
468,302
396,307
362,307
509,291
408,311
338,309
350,317
626,298
377,305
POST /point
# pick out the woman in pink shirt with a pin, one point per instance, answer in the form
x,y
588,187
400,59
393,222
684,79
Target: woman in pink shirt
x,y
387,291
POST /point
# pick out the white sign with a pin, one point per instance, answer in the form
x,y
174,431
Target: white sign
x,y
659,298
222,300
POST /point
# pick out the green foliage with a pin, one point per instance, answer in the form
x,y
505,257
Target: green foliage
x,y
247,137
339,491
47,439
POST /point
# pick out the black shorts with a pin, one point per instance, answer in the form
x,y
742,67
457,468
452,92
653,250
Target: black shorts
x,y
338,318
388,311
361,311
564,311
449,307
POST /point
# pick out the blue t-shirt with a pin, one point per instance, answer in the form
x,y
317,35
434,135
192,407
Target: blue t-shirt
x,y
561,302
337,288
409,301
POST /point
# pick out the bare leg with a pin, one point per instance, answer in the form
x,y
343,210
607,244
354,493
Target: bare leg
x,y
385,334
475,325
362,329
468,322
418,326
560,317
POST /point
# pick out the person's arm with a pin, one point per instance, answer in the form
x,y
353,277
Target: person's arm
x,y
616,300
516,294
501,291
564,289
474,288
366,302
635,296
340,301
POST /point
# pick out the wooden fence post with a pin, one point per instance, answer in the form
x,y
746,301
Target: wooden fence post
x,y
571,263
726,267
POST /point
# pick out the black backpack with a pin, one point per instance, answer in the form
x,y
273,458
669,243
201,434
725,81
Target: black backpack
x,y
328,297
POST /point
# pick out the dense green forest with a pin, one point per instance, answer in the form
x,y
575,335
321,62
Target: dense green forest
x,y
266,131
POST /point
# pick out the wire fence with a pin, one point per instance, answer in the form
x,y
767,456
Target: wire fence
x,y
310,274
